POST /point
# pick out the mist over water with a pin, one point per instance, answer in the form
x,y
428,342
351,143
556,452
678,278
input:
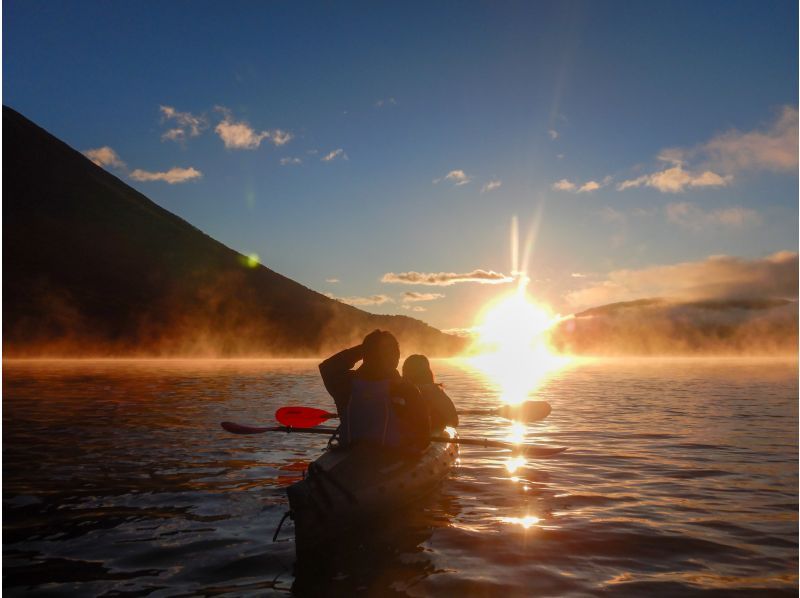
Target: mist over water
x,y
681,479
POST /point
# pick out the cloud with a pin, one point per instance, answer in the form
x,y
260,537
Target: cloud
x,y
446,278
458,177
104,156
186,122
172,176
332,280
717,277
553,134
412,296
280,137
240,135
370,300
719,160
290,161
577,275
587,187
334,155
564,185
174,135
676,180
385,102
491,186
414,308
773,149
692,217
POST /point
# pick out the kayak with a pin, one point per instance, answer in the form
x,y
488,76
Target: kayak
x,y
345,488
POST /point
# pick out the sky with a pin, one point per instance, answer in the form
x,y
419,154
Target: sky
x,y
378,152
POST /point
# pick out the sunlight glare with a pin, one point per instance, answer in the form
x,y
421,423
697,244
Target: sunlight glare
x,y
526,522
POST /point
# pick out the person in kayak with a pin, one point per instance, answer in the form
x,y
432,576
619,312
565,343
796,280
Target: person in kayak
x,y
417,371
376,406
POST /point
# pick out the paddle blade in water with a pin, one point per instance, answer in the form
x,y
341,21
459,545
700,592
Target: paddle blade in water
x,y
242,429
302,417
529,411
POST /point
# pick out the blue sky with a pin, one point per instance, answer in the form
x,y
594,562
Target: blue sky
x,y
647,136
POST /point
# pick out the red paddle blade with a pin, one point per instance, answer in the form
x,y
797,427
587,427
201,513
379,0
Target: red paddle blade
x,y
302,417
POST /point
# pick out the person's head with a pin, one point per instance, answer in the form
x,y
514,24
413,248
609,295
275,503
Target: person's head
x,y
417,370
381,351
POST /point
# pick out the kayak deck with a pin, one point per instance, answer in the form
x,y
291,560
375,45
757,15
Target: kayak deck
x,y
346,486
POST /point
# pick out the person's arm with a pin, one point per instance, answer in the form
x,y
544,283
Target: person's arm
x,y
447,409
335,372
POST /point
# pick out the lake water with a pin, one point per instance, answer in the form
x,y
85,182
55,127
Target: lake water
x,y
681,479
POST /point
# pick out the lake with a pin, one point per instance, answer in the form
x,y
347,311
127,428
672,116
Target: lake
x,y
681,478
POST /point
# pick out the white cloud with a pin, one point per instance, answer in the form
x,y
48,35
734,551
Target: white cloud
x,y
716,277
553,134
240,135
577,275
385,102
370,300
413,296
172,176
564,185
332,280
187,123
174,135
104,156
719,160
587,187
491,186
774,148
676,180
446,278
290,161
692,217
279,137
458,177
334,155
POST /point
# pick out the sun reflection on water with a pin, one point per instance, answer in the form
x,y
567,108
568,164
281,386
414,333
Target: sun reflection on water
x,y
526,522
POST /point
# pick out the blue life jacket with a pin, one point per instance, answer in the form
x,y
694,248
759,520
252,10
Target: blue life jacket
x,y
370,416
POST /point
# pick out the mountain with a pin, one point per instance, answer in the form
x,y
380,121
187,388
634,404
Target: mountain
x,y
91,267
762,326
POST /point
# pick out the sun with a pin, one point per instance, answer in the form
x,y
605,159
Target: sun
x,y
515,323
511,345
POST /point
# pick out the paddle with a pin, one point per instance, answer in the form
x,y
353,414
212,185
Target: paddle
x,y
309,417
531,451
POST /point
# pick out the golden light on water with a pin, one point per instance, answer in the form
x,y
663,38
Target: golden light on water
x,y
525,522
514,463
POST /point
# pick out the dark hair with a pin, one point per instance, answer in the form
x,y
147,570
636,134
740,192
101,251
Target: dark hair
x,y
381,350
417,370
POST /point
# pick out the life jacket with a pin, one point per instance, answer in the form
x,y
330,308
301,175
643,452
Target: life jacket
x,y
370,416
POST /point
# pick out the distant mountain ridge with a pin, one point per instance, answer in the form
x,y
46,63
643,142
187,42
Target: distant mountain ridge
x,y
657,326
91,267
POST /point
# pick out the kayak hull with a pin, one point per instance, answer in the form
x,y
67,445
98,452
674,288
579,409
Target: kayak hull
x,y
346,488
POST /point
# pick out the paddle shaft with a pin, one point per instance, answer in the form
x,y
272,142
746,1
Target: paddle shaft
x,y
309,417
484,442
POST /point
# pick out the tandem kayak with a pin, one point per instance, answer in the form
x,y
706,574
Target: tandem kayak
x,y
346,487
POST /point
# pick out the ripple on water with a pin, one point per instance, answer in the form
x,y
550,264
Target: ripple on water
x,y
681,479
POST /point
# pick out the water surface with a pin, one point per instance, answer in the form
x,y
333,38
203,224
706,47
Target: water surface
x,y
681,479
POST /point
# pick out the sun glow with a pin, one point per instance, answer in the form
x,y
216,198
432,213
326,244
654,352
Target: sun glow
x,y
512,346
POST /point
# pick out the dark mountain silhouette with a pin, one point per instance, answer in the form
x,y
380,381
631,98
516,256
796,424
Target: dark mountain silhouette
x,y
92,267
667,327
